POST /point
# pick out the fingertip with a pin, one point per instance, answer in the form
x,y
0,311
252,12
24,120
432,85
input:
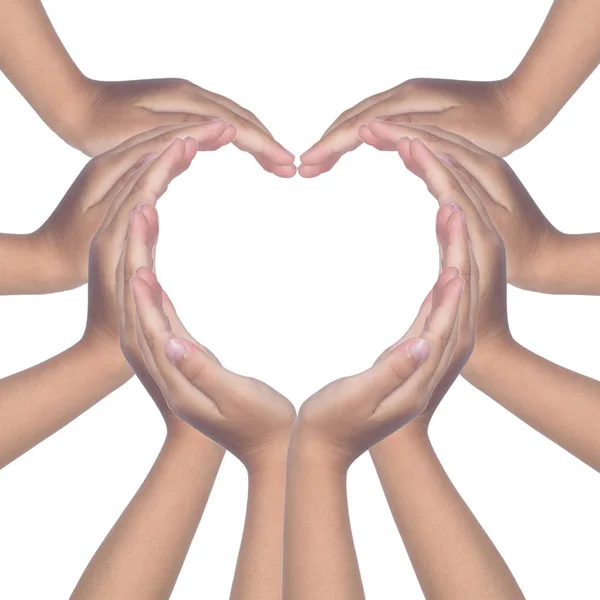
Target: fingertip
x,y
419,350
176,350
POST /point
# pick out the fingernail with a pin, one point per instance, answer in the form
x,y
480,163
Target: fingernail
x,y
453,207
214,119
175,350
447,159
145,160
419,350
177,139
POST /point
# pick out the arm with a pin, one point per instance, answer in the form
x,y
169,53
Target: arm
x,y
564,54
452,555
562,405
26,264
319,557
259,565
143,554
95,116
38,65
499,116
41,400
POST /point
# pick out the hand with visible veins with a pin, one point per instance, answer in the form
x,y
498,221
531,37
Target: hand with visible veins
x,y
500,116
244,415
539,256
531,387
61,245
95,116
349,416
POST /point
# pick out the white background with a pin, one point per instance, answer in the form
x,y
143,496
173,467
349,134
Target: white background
x,y
299,282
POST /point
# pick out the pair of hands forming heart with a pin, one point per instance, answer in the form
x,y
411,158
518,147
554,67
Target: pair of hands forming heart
x,y
246,416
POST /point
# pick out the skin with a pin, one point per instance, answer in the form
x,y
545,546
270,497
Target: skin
x,y
143,554
43,399
452,555
94,116
539,256
347,417
243,415
55,257
560,404
500,116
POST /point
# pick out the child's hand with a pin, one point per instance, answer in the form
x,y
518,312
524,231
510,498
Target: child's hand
x,y
146,185
352,414
121,109
479,110
69,230
448,185
531,240
244,415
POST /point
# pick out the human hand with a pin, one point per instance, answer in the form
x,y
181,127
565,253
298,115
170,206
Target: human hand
x,y
120,109
449,185
531,241
145,185
480,110
66,235
352,414
244,415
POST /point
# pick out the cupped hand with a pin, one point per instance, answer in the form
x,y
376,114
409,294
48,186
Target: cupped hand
x,y
478,110
529,237
242,414
448,185
120,109
67,233
145,185
354,413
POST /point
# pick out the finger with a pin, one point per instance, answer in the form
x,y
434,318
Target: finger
x,y
445,187
250,137
233,107
368,137
344,137
430,134
359,108
310,171
150,186
406,156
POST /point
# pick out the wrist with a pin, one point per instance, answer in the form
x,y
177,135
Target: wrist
x,y
266,458
107,350
308,451
487,351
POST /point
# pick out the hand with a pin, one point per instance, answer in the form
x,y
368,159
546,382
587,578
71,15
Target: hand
x,y
145,185
352,414
531,240
449,185
244,415
120,109
480,110
67,233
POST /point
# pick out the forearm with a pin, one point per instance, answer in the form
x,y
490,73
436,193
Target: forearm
x,y
565,52
320,562
571,266
562,405
143,554
39,401
36,62
259,568
452,555
27,266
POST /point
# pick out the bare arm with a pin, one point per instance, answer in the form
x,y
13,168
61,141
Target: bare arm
x,y
38,65
260,561
143,554
560,404
452,555
39,401
563,55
